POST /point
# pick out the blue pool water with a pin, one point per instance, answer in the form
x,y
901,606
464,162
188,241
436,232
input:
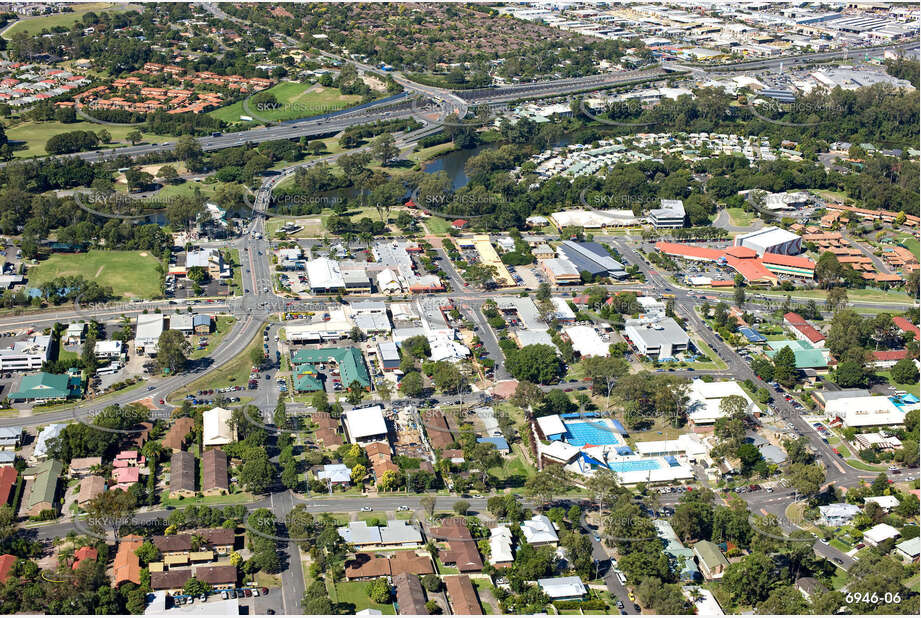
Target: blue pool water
x,y
903,400
580,434
640,465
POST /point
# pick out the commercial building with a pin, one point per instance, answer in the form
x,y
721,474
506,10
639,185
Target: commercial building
x,y
591,257
147,333
659,339
27,355
770,240
350,363
366,425
795,266
805,355
388,355
325,276
586,341
561,271
108,349
670,214
44,386
865,411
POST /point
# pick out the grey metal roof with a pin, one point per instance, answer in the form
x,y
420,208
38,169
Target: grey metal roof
x,y
397,531
360,533
590,256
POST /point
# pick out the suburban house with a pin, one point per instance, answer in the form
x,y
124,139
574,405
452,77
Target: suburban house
x,y
539,531
175,438
90,487
214,478
837,514
878,534
563,588
218,428
410,595
182,475
462,551
44,487
710,559
127,565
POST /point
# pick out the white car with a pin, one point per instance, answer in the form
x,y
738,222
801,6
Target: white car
x,y
367,509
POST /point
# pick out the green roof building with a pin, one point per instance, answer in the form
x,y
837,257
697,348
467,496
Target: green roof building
x,y
44,485
807,357
44,385
350,360
307,379
711,560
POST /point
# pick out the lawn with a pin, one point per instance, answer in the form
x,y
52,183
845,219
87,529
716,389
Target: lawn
x,y
510,467
865,294
236,284
911,243
740,218
296,100
131,274
354,593
912,388
437,226
184,189
240,498
840,546
223,324
33,26
36,134
233,373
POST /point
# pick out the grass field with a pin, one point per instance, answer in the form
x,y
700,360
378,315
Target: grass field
x,y
740,218
240,498
912,388
911,243
866,294
35,25
131,274
36,134
355,593
295,101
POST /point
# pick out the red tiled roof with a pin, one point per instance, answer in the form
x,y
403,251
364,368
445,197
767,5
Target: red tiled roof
x,y
6,564
127,566
906,326
741,252
463,596
890,355
689,251
808,330
7,482
84,553
788,260
752,270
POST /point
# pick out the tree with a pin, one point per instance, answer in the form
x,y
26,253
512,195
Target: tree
x,y
384,147
536,363
134,137
850,374
750,580
447,378
785,366
111,510
428,505
147,553
807,479
356,393
195,587
835,299
527,394
461,507
257,473
172,351
431,582
378,590
905,372
738,295
411,385
168,174
545,483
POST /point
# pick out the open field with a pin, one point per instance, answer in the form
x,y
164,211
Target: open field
x,y
223,324
35,25
740,218
295,100
865,294
131,274
36,135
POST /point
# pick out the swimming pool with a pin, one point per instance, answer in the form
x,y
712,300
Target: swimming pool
x,y
638,465
902,401
594,432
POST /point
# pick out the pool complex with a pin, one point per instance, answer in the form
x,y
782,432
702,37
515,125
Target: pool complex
x,y
903,401
590,432
638,465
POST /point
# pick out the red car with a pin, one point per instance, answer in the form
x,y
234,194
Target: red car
x,y
162,402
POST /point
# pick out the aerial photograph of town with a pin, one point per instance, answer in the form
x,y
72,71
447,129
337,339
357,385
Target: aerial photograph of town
x,y
550,307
